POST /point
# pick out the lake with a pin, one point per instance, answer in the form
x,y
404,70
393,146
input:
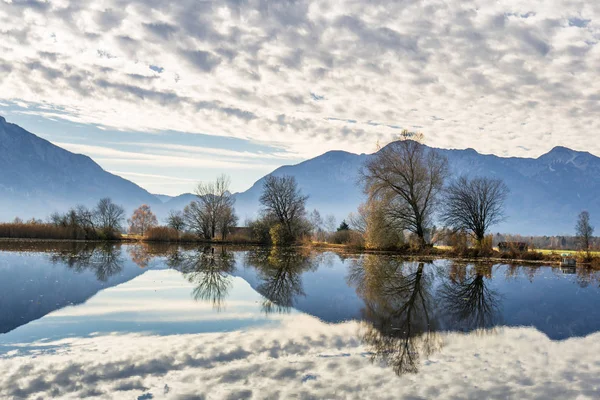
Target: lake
x,y
166,322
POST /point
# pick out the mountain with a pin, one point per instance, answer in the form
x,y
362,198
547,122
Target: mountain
x,y
163,198
547,193
38,178
546,196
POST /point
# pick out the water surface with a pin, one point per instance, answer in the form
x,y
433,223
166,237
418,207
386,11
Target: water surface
x,y
139,321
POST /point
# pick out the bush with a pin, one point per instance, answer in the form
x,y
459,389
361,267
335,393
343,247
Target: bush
x,y
45,231
188,237
279,235
260,229
162,234
348,238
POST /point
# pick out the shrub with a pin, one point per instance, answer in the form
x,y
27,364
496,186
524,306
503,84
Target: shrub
x,y
188,237
347,237
260,229
161,234
279,235
45,231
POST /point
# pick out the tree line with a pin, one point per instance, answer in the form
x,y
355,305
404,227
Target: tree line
x,y
408,187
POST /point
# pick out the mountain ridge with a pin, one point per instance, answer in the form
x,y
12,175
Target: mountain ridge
x,y
547,192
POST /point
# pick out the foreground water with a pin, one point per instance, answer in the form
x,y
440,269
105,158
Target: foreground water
x,y
166,322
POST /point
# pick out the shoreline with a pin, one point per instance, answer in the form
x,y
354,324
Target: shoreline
x,y
433,254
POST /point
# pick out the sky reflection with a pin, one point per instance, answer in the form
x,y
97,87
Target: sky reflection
x,y
263,323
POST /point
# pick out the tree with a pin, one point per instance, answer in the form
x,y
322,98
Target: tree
x,y
408,179
343,226
584,231
226,220
359,220
108,215
316,221
142,219
175,220
213,210
473,205
282,199
330,223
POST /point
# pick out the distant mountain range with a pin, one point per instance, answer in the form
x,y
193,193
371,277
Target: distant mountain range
x,y
547,193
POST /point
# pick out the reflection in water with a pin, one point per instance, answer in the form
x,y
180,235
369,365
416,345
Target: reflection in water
x,y
140,254
467,299
398,305
209,270
404,306
280,271
105,260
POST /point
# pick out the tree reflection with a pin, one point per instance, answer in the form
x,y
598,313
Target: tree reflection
x,y
209,270
105,260
398,307
466,298
140,254
280,271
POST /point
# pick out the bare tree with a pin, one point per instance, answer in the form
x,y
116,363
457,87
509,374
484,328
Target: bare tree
x,y
316,221
142,219
408,179
473,205
213,211
330,223
175,220
108,215
226,220
360,219
584,231
282,198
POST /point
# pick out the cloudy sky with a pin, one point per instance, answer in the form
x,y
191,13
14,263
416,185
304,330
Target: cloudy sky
x,y
169,93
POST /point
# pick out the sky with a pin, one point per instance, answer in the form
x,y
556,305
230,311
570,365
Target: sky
x,y
167,94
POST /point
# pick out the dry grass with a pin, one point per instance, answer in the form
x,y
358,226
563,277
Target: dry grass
x,y
44,231
162,234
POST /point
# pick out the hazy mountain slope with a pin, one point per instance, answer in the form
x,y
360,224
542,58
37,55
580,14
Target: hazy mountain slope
x,y
38,178
546,193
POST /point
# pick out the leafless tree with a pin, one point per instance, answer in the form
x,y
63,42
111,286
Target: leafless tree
x,y
142,219
108,215
407,178
584,231
226,220
175,220
330,223
213,211
282,198
473,205
359,220
316,221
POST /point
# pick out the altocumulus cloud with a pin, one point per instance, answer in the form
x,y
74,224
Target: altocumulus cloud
x,y
311,75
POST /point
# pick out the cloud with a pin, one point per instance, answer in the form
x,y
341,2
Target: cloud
x,y
496,76
164,159
301,358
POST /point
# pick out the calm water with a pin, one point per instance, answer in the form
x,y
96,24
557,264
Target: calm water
x,y
167,322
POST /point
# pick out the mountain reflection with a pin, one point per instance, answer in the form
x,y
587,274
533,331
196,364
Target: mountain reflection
x,y
280,272
401,324
466,298
105,260
208,269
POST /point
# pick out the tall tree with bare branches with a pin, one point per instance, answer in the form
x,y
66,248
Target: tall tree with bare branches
x,y
407,178
282,199
584,232
213,210
474,204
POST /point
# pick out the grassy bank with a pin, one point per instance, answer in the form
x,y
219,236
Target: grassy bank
x,y
471,254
